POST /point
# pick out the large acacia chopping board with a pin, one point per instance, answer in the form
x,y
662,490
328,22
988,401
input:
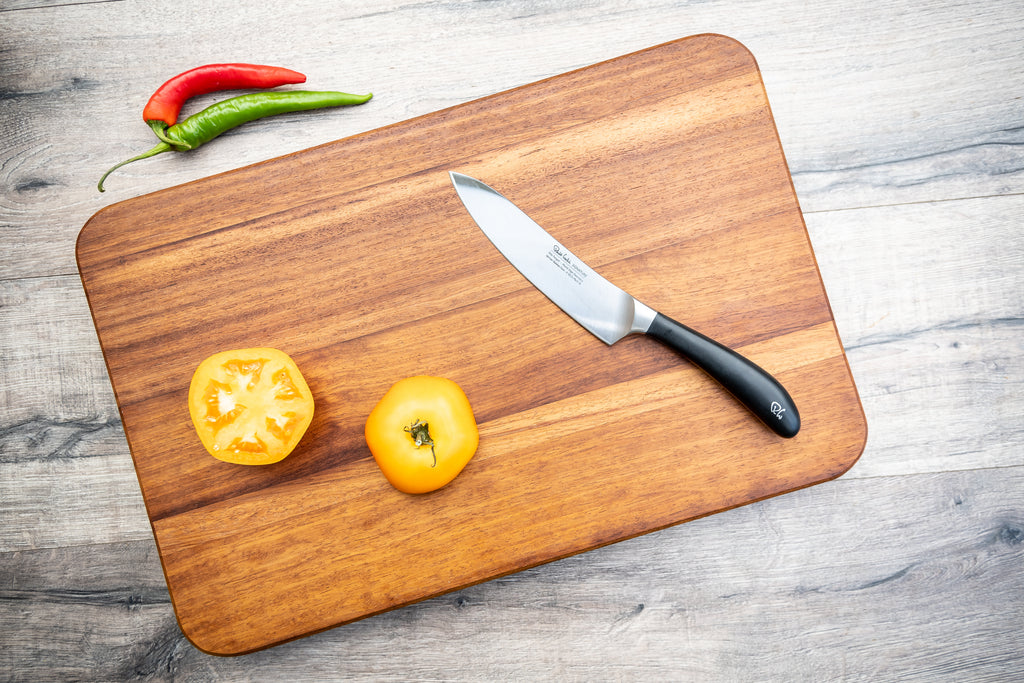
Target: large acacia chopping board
x,y
662,169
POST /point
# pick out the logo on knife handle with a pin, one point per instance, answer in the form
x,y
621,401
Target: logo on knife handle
x,y
777,409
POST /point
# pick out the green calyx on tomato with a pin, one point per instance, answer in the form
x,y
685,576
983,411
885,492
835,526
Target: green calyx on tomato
x,y
417,412
420,433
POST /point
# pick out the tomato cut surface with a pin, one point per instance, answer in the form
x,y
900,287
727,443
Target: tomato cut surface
x,y
250,406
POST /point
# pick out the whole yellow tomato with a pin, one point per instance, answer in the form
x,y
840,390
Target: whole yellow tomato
x,y
250,406
422,433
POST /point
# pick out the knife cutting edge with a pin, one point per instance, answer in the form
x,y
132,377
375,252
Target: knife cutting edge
x,y
608,312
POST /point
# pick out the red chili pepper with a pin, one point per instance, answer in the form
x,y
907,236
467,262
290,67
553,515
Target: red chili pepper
x,y
164,106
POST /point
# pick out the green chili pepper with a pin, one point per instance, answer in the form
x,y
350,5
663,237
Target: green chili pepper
x,y
218,118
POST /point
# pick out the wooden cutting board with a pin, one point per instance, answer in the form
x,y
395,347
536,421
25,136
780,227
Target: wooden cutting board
x,y
662,169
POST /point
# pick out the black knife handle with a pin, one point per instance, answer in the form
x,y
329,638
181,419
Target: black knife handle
x,y
752,386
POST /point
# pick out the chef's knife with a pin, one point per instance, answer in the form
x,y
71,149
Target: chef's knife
x,y
610,313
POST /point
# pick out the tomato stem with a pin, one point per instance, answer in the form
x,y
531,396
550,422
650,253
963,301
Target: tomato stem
x,y
420,433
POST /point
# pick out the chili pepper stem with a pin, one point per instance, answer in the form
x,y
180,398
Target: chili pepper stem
x,y
160,128
159,149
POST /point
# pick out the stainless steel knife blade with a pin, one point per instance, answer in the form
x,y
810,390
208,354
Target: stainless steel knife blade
x,y
602,308
608,312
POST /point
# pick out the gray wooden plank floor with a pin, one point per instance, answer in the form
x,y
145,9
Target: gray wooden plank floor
x,y
904,129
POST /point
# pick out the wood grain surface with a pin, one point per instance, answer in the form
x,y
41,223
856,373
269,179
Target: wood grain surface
x,y
679,192
901,128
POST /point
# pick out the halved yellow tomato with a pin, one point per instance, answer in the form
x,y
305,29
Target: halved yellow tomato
x,y
250,406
